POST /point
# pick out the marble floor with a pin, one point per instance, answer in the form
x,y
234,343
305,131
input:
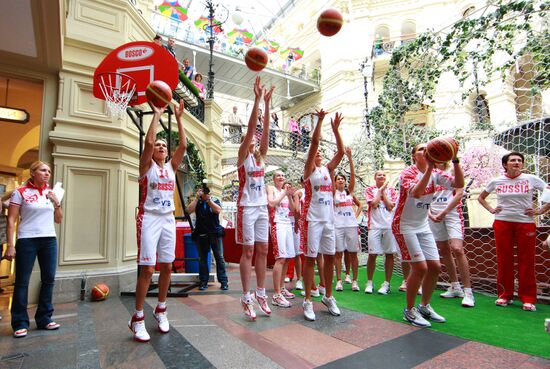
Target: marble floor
x,y
208,331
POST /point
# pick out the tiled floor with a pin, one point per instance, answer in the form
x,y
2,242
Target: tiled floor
x,y
209,331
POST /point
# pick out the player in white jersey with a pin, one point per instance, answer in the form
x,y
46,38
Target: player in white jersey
x,y
381,201
447,225
412,232
514,224
156,229
281,203
318,214
316,291
346,228
252,216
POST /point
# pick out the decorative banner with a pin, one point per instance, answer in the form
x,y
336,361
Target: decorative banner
x,y
172,9
203,23
268,45
297,53
240,36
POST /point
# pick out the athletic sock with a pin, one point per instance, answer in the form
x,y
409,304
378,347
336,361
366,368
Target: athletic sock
x,y
138,313
260,292
162,305
455,285
247,297
468,290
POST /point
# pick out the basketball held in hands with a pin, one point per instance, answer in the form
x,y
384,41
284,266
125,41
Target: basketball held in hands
x,y
442,149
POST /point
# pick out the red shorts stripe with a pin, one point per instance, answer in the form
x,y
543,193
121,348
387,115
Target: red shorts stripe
x,y
239,238
405,256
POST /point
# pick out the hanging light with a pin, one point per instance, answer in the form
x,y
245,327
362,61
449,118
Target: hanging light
x,y
13,115
237,17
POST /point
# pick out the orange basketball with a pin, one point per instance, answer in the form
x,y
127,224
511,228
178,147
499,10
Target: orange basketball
x,y
159,93
256,59
330,22
100,292
442,149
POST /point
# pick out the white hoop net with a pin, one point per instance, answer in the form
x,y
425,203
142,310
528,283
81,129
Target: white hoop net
x,y
118,89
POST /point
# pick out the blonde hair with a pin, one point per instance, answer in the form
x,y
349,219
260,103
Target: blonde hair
x,y
37,164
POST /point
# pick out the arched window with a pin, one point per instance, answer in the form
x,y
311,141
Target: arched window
x,y
469,11
480,108
408,30
381,37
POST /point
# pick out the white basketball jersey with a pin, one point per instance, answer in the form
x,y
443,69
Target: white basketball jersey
x,y
318,203
281,211
251,183
344,216
157,189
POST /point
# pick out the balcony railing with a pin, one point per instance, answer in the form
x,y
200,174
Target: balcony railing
x,y
194,104
187,32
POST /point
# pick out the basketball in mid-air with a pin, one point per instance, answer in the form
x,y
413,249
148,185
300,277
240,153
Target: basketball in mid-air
x,y
256,59
330,22
100,292
159,94
442,149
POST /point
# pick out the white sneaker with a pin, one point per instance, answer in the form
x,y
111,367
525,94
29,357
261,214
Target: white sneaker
x,y
339,286
347,279
309,314
248,309
413,316
314,293
330,303
322,290
403,286
452,292
162,320
279,300
262,303
137,326
287,294
468,300
299,284
369,287
355,286
384,289
429,313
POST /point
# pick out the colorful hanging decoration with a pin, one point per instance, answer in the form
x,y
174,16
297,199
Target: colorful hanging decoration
x,y
172,9
268,45
203,23
240,36
296,53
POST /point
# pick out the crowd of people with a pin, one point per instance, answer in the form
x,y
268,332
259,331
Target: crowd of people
x,y
317,218
423,223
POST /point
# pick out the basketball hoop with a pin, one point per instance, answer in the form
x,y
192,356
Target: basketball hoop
x,y
118,89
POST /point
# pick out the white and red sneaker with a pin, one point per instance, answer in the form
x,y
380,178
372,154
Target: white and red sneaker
x,y
248,309
287,294
162,319
262,303
279,300
137,326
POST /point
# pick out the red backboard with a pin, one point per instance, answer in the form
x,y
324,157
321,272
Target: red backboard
x,y
145,62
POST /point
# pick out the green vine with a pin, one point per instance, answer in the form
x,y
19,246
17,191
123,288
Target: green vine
x,y
468,45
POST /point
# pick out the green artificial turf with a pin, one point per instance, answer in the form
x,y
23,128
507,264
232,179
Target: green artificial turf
x,y
508,327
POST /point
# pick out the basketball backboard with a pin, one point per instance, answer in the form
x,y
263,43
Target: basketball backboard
x,y
143,61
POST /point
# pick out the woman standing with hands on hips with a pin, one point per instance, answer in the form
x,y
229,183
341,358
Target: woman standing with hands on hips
x,y
36,207
155,223
514,223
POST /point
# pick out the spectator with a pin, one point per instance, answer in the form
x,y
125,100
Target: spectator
x,y
273,126
188,69
209,235
170,46
378,50
36,208
294,132
306,129
158,40
198,84
235,128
